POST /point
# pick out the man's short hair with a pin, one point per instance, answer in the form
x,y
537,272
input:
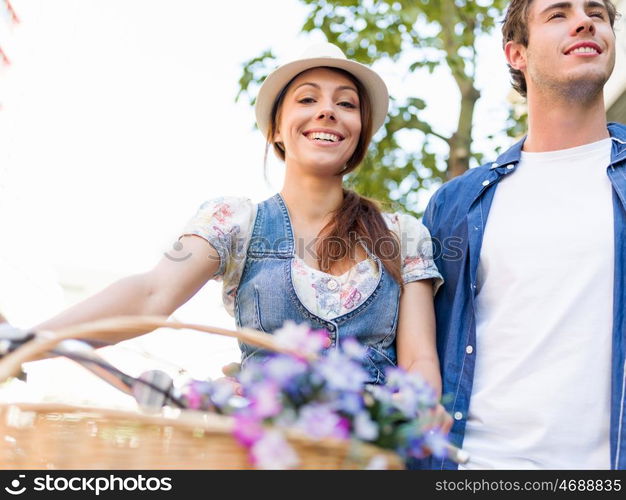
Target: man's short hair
x,y
515,29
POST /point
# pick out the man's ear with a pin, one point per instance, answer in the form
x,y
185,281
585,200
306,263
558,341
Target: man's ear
x,y
515,54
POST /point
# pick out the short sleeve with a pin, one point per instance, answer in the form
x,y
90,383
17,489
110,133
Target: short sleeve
x,y
416,250
226,223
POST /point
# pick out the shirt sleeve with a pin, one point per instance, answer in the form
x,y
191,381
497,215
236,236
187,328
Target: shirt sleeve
x,y
416,251
226,223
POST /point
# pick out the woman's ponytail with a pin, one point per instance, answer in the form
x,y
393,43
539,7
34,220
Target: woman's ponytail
x,y
359,221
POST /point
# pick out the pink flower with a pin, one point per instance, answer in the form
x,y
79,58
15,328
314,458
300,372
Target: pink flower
x,y
194,398
248,430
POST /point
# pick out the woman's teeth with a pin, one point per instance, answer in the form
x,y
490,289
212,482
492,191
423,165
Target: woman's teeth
x,y
323,136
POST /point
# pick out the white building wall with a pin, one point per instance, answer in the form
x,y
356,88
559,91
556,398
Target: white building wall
x,y
617,83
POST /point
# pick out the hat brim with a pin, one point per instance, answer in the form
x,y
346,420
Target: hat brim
x,y
276,81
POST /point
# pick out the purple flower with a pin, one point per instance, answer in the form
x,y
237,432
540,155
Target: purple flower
x,y
353,348
418,441
407,401
325,398
415,448
412,394
283,369
251,372
273,451
399,379
349,402
300,339
206,395
221,392
265,399
341,373
196,393
436,442
320,421
364,427
381,393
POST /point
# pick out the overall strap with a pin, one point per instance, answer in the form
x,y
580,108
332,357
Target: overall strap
x,y
272,235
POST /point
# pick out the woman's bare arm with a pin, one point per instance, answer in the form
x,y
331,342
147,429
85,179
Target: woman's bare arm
x,y
416,342
160,291
417,350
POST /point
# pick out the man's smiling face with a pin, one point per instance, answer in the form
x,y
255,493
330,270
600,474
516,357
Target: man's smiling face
x,y
571,48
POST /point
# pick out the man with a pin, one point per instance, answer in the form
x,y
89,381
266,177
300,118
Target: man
x,y
530,322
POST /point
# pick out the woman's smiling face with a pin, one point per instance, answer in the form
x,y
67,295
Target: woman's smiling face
x,y
319,121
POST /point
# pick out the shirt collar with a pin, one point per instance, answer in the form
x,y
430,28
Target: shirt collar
x,y
510,157
618,136
513,155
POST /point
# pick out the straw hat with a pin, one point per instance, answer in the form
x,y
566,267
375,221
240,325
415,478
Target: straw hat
x,y
329,55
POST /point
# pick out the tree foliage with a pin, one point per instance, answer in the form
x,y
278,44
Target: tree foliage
x,y
430,33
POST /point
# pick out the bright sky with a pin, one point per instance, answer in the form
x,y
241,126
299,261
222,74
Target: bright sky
x,y
118,119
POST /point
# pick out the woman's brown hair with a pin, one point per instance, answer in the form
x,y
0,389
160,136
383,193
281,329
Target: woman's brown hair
x,y
358,220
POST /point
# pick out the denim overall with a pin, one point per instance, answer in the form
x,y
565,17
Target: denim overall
x,y
266,297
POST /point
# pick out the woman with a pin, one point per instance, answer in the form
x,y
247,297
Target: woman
x,y
314,252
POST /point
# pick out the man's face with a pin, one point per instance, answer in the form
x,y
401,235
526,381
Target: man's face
x,y
571,48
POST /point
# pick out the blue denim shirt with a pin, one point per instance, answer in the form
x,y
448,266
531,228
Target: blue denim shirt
x,y
456,217
266,296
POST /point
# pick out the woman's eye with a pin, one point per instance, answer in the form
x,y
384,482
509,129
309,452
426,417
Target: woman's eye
x,y
599,15
306,100
347,104
555,15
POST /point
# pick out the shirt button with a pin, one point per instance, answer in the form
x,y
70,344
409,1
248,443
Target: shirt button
x,y
494,165
458,415
469,349
332,285
510,167
486,183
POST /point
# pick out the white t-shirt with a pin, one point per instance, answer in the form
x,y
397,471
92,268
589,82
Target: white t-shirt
x,y
541,393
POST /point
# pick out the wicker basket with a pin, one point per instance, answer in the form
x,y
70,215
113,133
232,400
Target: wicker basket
x,y
53,436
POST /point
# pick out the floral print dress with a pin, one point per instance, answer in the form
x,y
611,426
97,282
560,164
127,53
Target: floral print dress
x,y
226,223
